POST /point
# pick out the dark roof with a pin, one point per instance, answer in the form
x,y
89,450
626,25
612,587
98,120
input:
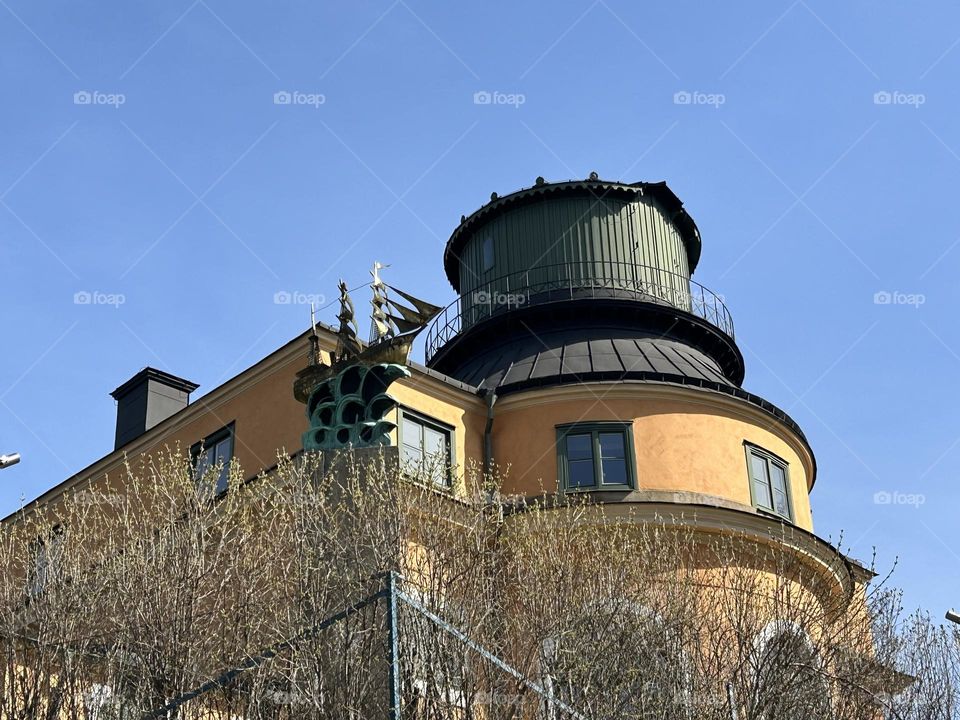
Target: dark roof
x,y
452,381
149,373
592,187
567,355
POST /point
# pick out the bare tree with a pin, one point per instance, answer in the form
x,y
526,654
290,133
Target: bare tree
x,y
144,596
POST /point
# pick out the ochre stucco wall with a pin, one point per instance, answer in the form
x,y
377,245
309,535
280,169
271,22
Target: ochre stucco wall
x,y
685,440
268,420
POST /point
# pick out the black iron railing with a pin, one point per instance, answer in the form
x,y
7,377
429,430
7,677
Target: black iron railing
x,y
576,281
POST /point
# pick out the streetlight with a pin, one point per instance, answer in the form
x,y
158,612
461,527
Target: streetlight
x,y
953,616
8,460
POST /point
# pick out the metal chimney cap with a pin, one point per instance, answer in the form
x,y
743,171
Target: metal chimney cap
x,y
149,373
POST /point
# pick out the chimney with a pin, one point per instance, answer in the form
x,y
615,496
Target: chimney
x,y
147,399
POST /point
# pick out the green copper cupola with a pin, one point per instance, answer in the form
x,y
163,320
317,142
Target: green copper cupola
x,y
585,263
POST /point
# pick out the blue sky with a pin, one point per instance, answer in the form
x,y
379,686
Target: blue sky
x,y
183,190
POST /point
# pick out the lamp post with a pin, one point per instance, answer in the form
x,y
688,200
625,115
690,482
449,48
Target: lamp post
x,y
953,616
8,460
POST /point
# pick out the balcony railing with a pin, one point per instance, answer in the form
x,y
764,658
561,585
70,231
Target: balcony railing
x,y
576,281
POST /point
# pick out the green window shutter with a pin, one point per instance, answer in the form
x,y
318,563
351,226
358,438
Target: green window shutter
x,y
613,459
761,481
580,460
778,483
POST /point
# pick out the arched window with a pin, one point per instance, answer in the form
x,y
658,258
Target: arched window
x,y
788,676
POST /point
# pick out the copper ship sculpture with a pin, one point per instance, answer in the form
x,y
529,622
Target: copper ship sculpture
x,y
346,400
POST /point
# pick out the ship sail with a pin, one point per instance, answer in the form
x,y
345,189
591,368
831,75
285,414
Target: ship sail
x,y
425,311
348,345
393,329
389,318
381,328
411,316
403,325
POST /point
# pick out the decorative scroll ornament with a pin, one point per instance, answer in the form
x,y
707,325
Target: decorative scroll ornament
x,y
347,399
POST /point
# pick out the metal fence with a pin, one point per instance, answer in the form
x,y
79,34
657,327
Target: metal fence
x,y
425,663
576,281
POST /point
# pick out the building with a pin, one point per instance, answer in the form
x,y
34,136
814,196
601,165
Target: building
x,y
580,354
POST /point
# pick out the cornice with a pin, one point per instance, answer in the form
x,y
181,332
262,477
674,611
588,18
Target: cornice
x,y
713,519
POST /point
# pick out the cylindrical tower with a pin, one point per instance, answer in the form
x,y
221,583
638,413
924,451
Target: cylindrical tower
x,y
609,372
596,273
608,368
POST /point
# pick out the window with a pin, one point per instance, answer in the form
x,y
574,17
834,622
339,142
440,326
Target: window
x,y
211,452
425,448
488,256
595,456
788,680
768,481
47,557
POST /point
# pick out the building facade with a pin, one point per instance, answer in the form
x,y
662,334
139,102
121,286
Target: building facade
x,y
579,359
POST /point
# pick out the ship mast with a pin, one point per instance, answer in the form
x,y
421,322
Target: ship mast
x,y
348,345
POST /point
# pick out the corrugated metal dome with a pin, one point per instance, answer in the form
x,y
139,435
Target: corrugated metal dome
x,y
592,188
555,357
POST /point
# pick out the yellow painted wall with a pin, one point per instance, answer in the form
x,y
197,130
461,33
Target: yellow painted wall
x,y
685,440
268,420
466,414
